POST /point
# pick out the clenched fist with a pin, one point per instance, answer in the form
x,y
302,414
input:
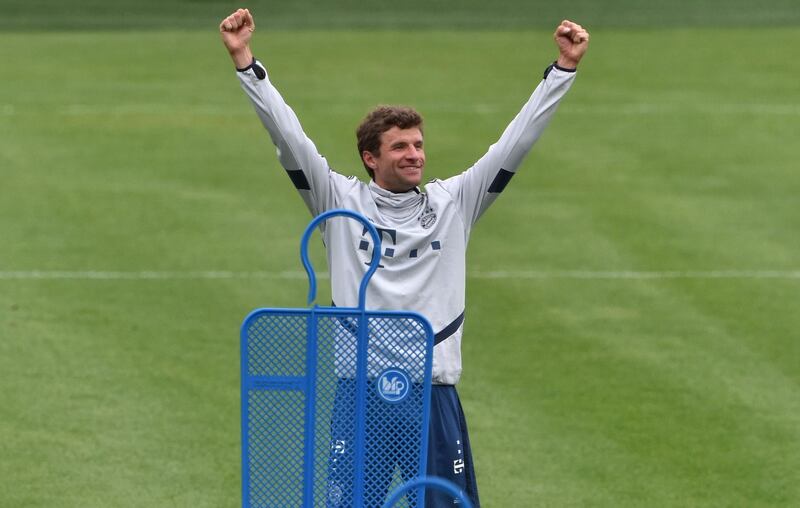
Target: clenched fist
x,y
572,40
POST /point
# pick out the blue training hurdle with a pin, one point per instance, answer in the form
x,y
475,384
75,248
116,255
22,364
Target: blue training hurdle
x,y
335,401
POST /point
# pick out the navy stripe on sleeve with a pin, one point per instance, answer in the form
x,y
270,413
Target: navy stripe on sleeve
x,y
500,181
299,179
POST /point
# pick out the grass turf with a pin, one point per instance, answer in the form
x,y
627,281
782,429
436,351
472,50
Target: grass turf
x,y
674,151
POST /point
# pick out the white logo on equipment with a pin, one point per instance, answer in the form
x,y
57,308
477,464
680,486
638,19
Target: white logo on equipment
x,y
393,385
338,447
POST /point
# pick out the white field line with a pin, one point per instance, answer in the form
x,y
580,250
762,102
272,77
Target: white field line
x,y
489,275
627,274
149,275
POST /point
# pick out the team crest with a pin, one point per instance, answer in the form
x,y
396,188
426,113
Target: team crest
x,y
428,218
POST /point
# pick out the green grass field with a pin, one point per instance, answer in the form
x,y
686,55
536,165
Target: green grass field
x,y
631,336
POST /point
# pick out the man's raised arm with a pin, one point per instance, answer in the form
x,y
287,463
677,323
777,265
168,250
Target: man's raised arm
x,y
297,154
478,187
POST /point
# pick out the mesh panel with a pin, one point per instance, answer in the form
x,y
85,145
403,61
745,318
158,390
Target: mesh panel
x,y
394,429
277,345
276,448
334,466
362,447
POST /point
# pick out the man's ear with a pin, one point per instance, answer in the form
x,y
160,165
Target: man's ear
x,y
369,159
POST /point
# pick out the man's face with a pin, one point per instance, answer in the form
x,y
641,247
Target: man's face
x,y
399,164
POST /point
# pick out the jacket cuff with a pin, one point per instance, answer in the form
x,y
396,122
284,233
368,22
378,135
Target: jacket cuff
x,y
257,69
554,65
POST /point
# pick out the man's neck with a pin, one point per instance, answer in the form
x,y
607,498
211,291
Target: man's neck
x,y
395,190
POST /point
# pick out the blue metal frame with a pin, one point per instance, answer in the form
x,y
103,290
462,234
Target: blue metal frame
x,y
373,265
306,384
430,481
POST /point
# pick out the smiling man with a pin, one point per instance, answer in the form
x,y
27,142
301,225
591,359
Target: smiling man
x,y
424,233
390,145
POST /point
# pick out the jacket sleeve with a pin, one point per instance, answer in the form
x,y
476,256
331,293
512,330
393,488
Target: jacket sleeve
x,y
475,189
307,169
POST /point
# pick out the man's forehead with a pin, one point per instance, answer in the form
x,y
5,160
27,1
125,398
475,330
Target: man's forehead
x,y
395,134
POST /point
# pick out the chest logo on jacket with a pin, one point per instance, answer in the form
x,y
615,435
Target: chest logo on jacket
x,y
389,243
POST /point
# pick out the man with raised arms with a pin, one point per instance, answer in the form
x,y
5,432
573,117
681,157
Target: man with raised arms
x,y
424,232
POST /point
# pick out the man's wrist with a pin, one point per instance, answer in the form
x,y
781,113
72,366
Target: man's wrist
x,y
242,58
566,64
247,67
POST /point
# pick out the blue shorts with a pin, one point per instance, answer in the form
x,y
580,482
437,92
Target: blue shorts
x,y
449,454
